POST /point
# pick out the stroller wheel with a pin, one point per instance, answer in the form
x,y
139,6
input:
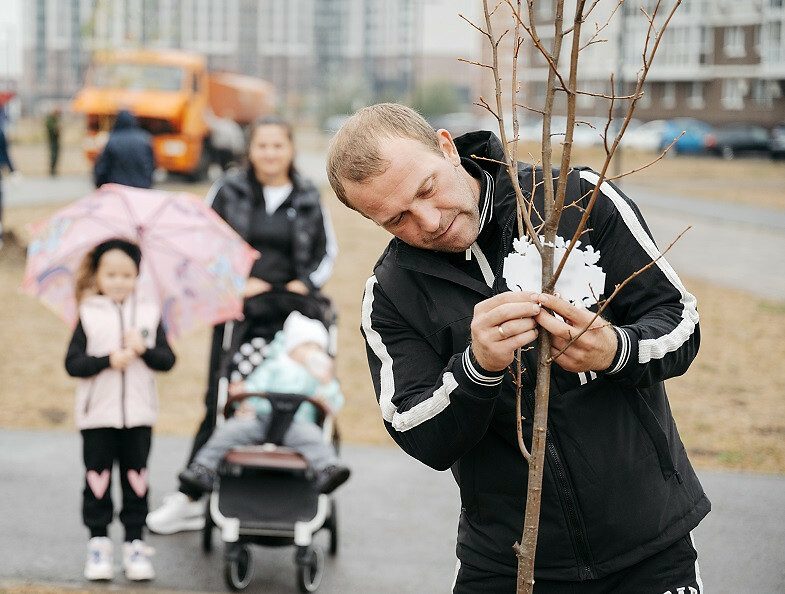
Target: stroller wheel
x,y
238,567
207,531
332,525
310,567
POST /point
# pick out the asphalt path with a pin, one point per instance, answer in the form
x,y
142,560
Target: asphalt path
x,y
397,525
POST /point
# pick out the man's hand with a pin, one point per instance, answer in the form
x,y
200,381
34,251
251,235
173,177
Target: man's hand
x,y
255,286
501,325
593,351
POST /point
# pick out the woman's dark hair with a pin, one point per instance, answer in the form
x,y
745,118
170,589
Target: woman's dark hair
x,y
130,249
276,120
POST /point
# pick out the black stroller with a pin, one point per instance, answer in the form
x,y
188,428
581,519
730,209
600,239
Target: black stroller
x,y
265,493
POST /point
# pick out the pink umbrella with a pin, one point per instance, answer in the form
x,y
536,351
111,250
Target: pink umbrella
x,y
193,263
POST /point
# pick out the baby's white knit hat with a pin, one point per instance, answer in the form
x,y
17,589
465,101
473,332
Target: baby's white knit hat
x,y
299,329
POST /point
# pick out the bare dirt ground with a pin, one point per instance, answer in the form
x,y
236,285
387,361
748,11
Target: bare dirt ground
x,y
730,406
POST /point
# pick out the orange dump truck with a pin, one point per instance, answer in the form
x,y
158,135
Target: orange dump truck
x,y
173,97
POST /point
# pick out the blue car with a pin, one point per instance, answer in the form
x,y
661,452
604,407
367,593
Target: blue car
x,y
693,141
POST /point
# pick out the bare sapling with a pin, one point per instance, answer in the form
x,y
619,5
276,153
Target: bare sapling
x,y
540,228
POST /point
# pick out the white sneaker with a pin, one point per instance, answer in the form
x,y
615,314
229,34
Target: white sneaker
x,y
136,561
177,514
100,561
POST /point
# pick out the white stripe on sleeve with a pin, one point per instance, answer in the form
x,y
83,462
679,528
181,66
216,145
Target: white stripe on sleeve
x,y
653,348
425,410
319,276
386,379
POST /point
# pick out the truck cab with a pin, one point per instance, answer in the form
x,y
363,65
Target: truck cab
x,y
169,93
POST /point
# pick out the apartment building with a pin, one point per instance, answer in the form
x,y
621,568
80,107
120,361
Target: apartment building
x,y
720,61
309,49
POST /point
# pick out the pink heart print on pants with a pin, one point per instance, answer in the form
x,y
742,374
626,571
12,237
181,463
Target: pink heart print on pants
x,y
98,483
138,481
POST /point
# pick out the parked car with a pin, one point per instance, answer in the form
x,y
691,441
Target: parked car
x,y
693,140
656,135
738,138
645,137
777,141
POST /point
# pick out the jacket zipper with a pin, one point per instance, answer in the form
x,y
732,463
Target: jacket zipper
x,y
586,571
122,373
582,546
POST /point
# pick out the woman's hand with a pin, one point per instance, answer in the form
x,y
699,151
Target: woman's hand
x,y
297,286
255,286
236,388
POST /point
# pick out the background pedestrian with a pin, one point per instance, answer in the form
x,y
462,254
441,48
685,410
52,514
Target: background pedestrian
x,y
128,157
52,124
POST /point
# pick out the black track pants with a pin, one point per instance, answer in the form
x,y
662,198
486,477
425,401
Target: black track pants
x,y
101,449
672,571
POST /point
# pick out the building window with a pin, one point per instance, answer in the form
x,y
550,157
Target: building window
x,y
668,95
756,40
773,47
734,42
695,100
645,101
587,100
733,91
764,92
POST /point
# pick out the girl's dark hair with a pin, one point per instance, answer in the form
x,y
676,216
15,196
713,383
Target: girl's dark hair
x,y
85,275
130,249
276,120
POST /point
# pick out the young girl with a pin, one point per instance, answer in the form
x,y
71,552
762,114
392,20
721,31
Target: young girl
x,y
116,346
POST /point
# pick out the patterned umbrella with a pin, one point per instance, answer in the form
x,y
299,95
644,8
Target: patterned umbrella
x,y
193,263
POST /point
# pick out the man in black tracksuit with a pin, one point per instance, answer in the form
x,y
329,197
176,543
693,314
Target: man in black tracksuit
x,y
619,495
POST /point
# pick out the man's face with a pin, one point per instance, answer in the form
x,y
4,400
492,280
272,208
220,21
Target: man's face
x,y
424,198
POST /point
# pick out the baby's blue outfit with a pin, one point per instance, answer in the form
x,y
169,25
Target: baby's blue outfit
x,y
278,373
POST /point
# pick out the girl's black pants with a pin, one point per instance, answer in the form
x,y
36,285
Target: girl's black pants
x,y
130,448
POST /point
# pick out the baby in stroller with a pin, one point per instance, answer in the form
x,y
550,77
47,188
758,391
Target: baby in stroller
x,y
296,363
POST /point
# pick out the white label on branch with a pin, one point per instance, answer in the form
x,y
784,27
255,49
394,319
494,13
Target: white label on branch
x,y
581,282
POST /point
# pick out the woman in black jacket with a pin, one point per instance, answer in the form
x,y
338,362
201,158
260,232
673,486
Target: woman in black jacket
x,y
278,212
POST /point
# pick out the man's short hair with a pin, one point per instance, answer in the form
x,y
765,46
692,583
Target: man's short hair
x,y
354,153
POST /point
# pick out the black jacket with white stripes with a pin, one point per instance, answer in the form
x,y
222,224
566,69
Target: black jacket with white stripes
x,y
618,486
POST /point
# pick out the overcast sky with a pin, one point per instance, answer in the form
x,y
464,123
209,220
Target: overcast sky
x,y
447,33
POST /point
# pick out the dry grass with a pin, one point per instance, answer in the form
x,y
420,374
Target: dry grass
x,y
730,406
